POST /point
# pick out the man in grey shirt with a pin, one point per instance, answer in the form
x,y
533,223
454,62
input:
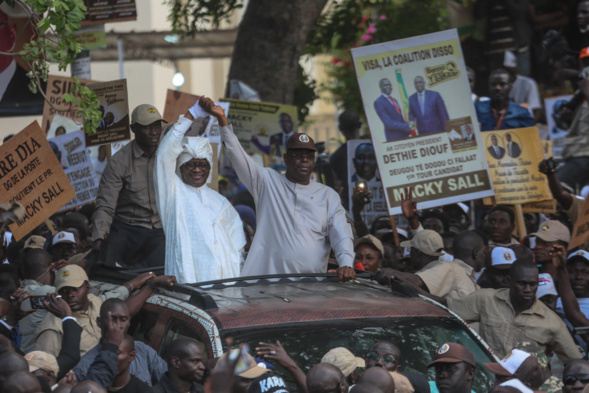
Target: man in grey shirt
x,y
298,220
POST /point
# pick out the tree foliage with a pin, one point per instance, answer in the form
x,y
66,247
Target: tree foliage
x,y
192,16
61,19
353,23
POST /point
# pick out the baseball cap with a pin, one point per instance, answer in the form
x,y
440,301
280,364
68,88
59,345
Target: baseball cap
x,y
343,359
35,241
552,230
426,241
63,237
270,383
579,254
42,360
70,276
453,353
402,383
502,257
584,53
516,383
145,114
545,286
246,367
509,364
372,240
300,141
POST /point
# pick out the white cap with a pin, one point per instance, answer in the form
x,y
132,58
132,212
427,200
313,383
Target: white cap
x,y
509,60
545,286
516,383
403,233
63,237
501,256
513,360
580,253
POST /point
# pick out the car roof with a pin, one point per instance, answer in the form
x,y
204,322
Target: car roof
x,y
300,298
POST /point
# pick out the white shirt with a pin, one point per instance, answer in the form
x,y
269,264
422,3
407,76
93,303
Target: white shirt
x,y
525,91
297,225
204,233
6,77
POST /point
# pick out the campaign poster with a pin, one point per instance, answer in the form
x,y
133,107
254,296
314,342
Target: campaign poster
x,y
580,232
263,127
31,174
16,99
76,162
513,157
55,105
99,12
362,168
422,121
557,129
114,105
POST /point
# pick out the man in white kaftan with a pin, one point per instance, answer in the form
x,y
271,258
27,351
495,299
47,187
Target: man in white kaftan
x,y
204,233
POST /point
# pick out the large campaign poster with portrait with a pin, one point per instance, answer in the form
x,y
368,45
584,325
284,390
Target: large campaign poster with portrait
x,y
363,173
557,128
263,127
422,121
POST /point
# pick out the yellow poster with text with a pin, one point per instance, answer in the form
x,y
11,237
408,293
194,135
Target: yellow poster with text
x,y
513,157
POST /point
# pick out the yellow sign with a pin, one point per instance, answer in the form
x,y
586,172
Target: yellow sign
x,y
580,233
513,157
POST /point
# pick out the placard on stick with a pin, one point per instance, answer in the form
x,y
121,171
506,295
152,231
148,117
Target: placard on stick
x,y
115,124
580,233
57,86
31,174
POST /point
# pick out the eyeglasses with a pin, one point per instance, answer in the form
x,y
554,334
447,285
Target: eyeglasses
x,y
571,379
302,154
376,357
203,166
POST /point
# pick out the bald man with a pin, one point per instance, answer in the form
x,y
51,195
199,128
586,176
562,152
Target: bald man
x,y
88,387
21,382
380,378
11,362
365,387
326,378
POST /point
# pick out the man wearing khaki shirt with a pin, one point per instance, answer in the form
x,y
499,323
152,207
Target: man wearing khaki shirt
x,y
126,226
512,315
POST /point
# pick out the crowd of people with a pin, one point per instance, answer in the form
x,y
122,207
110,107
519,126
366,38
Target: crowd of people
x,y
527,297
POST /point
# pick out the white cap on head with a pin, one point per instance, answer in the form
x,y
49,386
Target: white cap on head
x,y
195,147
545,286
63,237
502,256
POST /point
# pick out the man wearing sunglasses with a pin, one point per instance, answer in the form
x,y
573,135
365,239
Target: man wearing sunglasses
x,y
575,376
299,220
204,233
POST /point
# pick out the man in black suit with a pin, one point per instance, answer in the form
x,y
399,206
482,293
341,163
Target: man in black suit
x,y
513,149
496,151
16,99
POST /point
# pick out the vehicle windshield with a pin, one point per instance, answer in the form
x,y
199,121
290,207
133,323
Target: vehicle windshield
x,y
417,338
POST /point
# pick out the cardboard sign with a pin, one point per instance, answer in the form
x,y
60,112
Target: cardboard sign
x,y
261,127
362,168
513,157
422,121
31,174
580,232
101,12
557,129
57,86
77,164
177,103
114,126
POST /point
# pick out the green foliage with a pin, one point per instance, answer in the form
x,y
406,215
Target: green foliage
x,y
305,93
190,17
353,23
61,19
